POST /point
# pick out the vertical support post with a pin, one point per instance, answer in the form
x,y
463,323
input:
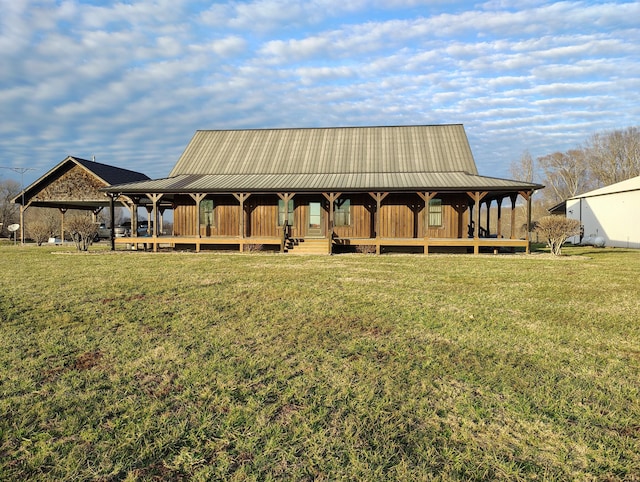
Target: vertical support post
x,y
499,233
332,197
513,198
378,197
477,198
527,195
426,197
286,197
62,211
488,204
153,221
197,197
112,215
241,197
21,224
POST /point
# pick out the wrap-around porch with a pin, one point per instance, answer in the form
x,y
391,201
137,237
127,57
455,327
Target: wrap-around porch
x,y
328,222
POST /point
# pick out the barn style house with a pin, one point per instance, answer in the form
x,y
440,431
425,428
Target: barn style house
x,y
326,190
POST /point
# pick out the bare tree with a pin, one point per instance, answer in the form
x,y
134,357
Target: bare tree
x,y
83,230
9,212
614,156
524,168
42,225
556,230
566,173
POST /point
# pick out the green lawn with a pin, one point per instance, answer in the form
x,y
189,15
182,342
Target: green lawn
x,y
168,366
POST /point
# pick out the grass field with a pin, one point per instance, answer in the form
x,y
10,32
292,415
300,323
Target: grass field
x,y
170,366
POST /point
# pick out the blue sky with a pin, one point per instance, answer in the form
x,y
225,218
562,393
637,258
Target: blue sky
x,y
130,82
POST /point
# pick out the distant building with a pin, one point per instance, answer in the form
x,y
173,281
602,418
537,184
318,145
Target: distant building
x,y
611,213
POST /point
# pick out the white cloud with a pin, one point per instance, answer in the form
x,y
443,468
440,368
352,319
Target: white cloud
x,y
137,78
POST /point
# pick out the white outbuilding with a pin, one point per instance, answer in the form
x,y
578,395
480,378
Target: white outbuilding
x,y
611,213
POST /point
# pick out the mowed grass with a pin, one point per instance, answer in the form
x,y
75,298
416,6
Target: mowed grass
x,y
169,366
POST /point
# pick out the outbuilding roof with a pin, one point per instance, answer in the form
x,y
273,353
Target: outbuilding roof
x,y
632,184
103,174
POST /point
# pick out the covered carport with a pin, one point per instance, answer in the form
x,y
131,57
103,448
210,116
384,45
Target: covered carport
x,y
77,183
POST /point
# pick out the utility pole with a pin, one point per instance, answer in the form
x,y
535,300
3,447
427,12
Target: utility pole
x,y
21,171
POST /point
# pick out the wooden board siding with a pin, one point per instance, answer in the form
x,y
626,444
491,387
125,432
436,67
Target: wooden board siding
x,y
362,217
401,216
455,224
404,216
262,215
225,217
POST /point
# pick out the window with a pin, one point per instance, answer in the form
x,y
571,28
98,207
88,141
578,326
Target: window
x,y
281,212
206,212
435,213
342,213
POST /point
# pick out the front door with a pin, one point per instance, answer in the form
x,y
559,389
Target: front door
x,y
314,225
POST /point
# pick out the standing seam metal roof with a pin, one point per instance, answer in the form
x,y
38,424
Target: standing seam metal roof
x,y
340,150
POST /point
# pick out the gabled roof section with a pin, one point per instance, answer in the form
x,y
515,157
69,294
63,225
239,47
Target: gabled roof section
x,y
338,150
110,174
103,174
400,158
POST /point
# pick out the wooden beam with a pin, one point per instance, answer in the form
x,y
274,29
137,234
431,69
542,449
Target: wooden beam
x,y
241,197
477,197
427,196
378,197
331,197
197,197
62,211
152,225
499,201
488,204
513,197
286,197
112,215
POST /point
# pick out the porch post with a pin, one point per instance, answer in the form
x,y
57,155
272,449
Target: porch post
x,y
477,198
513,198
527,196
241,197
426,197
379,197
286,197
331,197
197,197
112,215
154,231
488,204
62,211
499,233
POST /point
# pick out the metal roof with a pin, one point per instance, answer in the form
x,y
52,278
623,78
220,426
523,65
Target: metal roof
x,y
397,158
338,150
109,175
413,181
632,184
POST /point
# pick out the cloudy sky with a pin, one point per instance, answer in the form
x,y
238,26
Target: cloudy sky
x,y
130,82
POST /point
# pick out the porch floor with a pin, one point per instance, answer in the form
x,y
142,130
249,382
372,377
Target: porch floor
x,y
151,242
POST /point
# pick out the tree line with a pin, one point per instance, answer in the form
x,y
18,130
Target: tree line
x,y
605,158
